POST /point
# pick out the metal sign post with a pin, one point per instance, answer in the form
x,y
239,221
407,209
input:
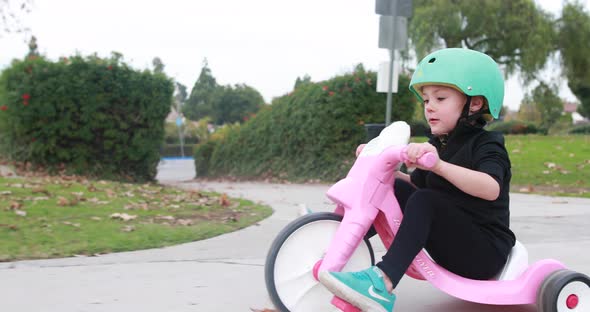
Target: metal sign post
x,y
179,122
393,35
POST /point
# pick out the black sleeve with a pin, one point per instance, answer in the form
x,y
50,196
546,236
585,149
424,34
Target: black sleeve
x,y
418,178
491,157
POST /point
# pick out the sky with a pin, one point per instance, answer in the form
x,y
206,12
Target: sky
x,y
265,44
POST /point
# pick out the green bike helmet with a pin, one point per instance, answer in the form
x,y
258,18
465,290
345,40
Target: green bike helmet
x,y
471,72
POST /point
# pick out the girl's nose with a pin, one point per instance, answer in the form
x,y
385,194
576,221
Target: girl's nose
x,y
429,107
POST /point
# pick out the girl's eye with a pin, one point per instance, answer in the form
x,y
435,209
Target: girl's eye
x,y
425,101
440,98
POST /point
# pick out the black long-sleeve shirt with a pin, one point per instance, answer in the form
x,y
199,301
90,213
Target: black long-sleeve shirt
x,y
476,149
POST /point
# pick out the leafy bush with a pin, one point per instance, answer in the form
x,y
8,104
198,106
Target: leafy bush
x,y
172,136
193,131
310,133
94,116
175,150
581,129
515,127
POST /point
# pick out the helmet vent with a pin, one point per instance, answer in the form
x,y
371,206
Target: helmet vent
x,y
432,60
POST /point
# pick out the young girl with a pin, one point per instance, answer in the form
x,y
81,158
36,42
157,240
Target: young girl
x,y
457,210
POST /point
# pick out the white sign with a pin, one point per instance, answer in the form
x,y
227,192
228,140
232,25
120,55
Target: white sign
x,y
383,77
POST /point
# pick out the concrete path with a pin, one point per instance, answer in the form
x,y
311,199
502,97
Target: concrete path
x,y
225,273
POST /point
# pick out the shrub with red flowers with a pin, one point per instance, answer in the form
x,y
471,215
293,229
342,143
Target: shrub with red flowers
x,y
310,133
97,116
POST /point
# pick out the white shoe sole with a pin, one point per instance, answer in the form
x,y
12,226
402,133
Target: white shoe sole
x,y
351,296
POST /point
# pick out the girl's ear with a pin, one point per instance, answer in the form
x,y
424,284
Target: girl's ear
x,y
477,103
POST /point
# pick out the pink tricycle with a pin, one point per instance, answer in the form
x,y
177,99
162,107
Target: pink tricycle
x,y
365,198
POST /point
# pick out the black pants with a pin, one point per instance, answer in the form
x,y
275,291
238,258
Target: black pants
x,y
450,236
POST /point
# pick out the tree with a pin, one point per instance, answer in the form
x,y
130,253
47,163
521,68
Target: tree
x,y
235,104
528,110
301,81
548,104
574,44
158,65
516,33
10,17
33,48
503,112
200,101
223,104
179,95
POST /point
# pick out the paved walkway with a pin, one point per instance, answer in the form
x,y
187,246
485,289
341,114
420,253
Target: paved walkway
x,y
225,273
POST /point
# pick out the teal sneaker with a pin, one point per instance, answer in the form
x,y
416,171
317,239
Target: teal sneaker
x,y
364,289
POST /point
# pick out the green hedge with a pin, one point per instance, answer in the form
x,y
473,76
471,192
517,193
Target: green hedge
x,y
174,150
95,116
310,133
515,127
581,129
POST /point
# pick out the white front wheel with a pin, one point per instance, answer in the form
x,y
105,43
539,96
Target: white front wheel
x,y
293,255
564,291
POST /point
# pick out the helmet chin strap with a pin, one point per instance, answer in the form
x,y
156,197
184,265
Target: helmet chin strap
x,y
465,113
475,120
464,117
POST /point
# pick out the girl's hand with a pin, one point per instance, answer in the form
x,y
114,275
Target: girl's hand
x,y
416,150
359,149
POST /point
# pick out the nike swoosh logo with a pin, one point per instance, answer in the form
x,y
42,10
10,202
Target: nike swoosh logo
x,y
376,295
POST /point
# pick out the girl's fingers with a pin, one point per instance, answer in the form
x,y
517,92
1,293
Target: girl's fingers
x,y
359,149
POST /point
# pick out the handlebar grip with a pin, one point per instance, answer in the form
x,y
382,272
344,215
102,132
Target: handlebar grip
x,y
428,160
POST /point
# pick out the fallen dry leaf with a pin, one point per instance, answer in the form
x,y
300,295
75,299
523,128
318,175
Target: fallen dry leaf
x,y
128,228
184,222
62,201
123,216
21,213
41,190
72,224
223,200
528,189
10,226
167,218
110,193
5,192
15,205
550,165
97,201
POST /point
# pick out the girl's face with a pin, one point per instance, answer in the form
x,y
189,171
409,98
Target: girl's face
x,y
442,107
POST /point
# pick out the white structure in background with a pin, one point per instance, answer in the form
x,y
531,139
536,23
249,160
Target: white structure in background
x,y
572,108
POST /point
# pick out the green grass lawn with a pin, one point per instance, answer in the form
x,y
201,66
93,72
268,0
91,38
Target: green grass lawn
x,y
552,165
59,217
557,165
